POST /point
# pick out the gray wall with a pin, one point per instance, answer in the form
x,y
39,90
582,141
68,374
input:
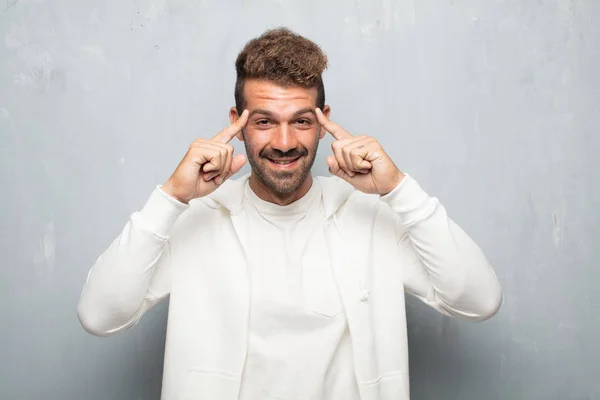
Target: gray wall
x,y
493,106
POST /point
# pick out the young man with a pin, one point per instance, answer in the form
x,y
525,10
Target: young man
x,y
284,286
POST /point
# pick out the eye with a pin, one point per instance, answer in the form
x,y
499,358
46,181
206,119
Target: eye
x,y
263,122
304,122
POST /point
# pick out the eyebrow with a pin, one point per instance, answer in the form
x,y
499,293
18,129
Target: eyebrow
x,y
261,111
304,111
270,114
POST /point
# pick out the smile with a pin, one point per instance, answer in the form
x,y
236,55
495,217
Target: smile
x,y
284,163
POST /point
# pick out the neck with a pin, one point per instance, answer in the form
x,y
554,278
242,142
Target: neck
x,y
281,199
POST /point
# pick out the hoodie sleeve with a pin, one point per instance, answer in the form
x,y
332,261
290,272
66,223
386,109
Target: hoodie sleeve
x,y
133,274
445,269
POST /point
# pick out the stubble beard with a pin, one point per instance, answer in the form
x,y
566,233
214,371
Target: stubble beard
x,y
282,182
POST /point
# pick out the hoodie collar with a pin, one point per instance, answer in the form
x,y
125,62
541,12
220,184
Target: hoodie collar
x,y
230,195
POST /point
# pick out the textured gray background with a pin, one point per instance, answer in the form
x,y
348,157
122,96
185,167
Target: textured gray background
x,y
493,106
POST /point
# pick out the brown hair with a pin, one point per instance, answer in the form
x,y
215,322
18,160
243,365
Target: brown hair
x,y
282,57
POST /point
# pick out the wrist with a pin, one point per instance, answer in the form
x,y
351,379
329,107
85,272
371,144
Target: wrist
x,y
397,181
160,213
170,189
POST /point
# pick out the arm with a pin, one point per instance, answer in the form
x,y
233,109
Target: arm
x,y
445,268
133,274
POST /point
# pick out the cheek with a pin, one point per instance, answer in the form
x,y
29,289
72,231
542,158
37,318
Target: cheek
x,y
256,139
308,138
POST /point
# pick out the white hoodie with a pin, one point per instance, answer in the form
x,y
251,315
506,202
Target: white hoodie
x,y
381,248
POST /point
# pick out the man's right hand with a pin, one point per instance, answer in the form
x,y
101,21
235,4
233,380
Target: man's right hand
x,y
207,164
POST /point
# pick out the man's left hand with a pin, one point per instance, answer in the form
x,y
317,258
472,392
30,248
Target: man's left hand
x,y
360,160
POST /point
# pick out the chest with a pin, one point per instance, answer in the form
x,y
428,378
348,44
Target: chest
x,y
291,277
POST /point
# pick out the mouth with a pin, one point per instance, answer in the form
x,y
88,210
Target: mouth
x,y
284,163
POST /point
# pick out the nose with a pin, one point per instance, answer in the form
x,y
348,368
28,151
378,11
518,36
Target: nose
x,y
284,138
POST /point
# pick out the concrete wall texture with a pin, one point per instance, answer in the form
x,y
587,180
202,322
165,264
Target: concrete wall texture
x,y
493,106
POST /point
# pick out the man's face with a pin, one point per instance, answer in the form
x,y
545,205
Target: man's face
x,y
282,134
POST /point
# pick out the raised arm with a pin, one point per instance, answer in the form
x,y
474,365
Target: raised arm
x,y
134,273
444,267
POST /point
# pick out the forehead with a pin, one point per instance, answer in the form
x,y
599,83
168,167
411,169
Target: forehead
x,y
278,99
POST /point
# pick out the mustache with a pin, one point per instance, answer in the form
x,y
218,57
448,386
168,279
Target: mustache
x,y
278,154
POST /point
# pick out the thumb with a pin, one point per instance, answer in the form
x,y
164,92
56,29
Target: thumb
x,y
335,169
238,161
333,165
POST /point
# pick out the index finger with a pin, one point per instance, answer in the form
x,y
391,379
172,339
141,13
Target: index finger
x,y
229,133
336,131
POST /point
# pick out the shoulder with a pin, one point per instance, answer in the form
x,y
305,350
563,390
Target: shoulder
x,y
199,216
342,198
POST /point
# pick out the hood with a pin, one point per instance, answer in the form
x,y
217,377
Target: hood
x,y
335,192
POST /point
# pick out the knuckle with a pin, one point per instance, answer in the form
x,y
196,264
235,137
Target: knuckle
x,y
199,152
193,152
197,147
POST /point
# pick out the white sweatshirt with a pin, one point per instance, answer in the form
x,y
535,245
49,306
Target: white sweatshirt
x,y
299,346
380,248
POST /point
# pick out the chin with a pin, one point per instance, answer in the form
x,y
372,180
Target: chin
x,y
283,181
284,185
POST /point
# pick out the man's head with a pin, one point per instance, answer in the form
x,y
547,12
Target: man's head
x,y
279,81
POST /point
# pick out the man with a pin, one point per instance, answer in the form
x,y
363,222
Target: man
x,y
284,286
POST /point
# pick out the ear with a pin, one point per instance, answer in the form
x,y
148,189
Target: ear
x,y
326,111
233,116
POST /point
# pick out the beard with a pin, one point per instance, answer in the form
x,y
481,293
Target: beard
x,y
281,182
